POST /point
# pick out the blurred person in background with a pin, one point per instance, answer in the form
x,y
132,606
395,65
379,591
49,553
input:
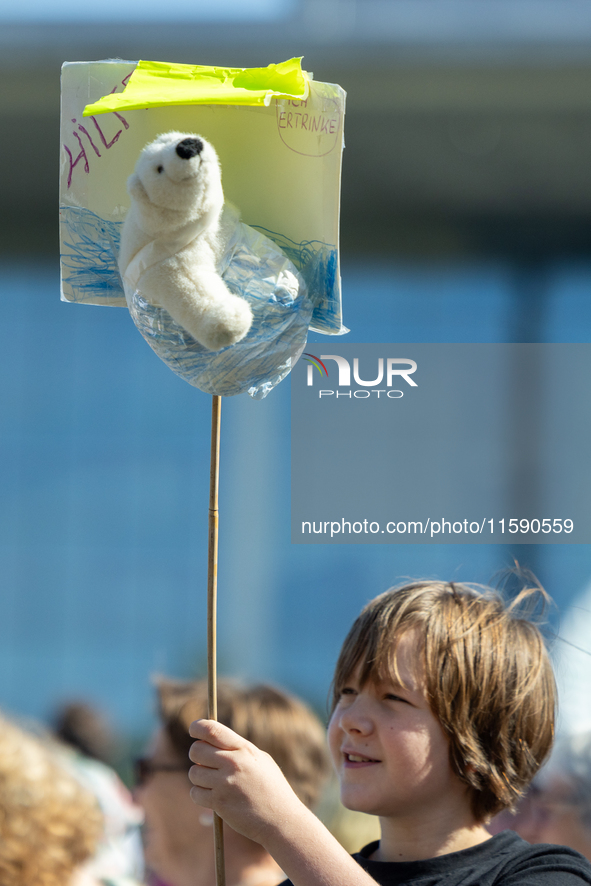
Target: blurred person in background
x,y
80,725
178,835
85,732
50,825
557,808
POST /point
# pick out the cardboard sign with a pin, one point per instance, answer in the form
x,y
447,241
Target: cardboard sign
x,y
280,157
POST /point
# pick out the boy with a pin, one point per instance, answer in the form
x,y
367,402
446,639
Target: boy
x,y
443,710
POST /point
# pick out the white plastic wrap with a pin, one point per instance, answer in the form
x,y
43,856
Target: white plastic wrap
x,y
253,267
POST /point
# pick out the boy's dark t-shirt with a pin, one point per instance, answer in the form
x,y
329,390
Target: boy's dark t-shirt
x,y
504,860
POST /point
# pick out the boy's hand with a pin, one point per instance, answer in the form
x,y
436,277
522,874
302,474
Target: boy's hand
x,y
248,790
241,783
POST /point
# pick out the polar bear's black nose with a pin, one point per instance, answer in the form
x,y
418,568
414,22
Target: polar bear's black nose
x,y
189,147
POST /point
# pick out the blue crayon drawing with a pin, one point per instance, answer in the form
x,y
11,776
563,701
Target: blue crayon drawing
x,y
317,262
89,266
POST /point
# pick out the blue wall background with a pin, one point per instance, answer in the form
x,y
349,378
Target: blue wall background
x,y
104,471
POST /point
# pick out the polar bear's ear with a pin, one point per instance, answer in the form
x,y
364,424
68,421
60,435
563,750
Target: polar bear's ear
x,y
136,189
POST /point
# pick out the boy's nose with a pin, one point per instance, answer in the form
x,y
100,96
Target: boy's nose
x,y
356,720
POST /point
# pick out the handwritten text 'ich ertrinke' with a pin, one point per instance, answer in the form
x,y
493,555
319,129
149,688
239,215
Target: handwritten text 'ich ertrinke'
x,y
309,122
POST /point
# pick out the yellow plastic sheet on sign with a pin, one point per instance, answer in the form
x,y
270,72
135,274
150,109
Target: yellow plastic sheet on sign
x,y
156,84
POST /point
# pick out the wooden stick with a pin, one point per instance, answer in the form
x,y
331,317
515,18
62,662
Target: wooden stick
x,y
212,589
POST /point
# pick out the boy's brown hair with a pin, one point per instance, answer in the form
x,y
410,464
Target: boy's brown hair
x,y
487,677
276,722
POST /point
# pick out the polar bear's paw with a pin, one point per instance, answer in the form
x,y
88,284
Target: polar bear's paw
x,y
226,324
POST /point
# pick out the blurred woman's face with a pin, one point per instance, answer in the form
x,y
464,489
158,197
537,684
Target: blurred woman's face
x,y
176,831
550,816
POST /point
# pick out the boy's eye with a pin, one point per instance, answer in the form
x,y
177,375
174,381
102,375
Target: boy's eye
x,y
391,696
347,690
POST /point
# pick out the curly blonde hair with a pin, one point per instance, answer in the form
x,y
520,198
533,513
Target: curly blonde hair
x,y
49,823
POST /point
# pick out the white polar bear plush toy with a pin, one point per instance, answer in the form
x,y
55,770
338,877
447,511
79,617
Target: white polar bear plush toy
x,y
169,240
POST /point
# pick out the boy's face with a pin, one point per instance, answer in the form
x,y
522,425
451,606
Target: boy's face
x,y
389,750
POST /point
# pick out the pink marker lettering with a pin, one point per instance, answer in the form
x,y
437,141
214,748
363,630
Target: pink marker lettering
x,y
102,137
81,155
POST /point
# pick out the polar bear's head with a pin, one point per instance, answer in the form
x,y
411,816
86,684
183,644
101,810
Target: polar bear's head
x,y
179,172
